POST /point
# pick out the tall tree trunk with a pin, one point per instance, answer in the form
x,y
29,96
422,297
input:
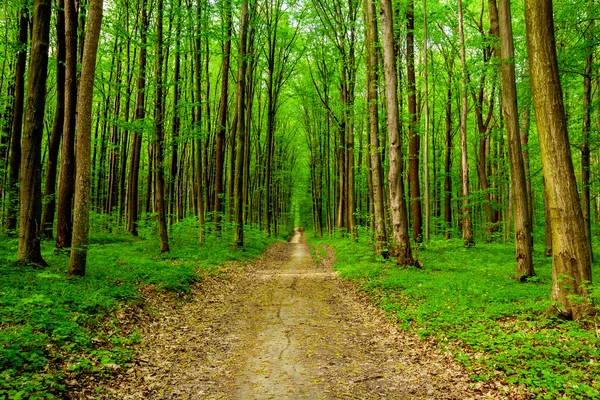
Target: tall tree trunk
x,y
30,213
448,160
241,128
467,229
57,126
17,123
136,141
571,263
376,170
426,132
198,141
159,194
66,183
84,136
220,145
510,112
414,139
395,179
585,130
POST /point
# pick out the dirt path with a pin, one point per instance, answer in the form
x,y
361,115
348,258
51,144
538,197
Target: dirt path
x,y
283,327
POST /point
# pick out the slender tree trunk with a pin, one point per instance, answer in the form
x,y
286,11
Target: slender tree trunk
x,y
17,123
241,128
395,179
510,112
466,211
371,40
57,127
585,131
414,139
448,160
220,145
66,184
571,263
30,213
198,141
159,199
426,132
136,142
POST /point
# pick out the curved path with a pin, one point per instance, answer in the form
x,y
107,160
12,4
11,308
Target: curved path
x,y
284,327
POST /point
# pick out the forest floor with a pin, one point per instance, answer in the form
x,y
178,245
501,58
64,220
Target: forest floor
x,y
283,326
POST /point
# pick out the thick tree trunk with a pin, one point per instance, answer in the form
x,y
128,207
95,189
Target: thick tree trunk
x,y
467,230
84,130
30,213
395,178
571,263
66,184
515,156
17,124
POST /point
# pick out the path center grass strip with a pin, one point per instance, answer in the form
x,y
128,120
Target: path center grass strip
x,y
465,300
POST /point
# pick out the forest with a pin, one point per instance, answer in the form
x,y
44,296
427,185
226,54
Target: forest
x,y
442,156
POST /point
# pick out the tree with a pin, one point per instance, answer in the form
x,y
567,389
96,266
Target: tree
x,y
84,136
371,43
30,215
467,229
515,154
17,122
571,263
159,132
395,178
66,183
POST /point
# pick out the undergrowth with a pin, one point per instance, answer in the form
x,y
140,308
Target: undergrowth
x,y
52,327
465,300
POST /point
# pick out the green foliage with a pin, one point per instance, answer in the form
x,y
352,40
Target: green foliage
x,y
465,300
52,326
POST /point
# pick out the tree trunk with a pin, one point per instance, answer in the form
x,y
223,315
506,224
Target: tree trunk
x,y
571,263
30,213
376,169
17,124
241,129
395,179
510,112
66,183
57,126
426,132
585,131
467,229
220,146
84,135
159,199
448,160
414,139
198,141
136,141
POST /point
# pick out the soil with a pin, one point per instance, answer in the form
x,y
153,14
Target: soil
x,y
284,326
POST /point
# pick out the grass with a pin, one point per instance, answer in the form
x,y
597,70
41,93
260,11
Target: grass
x,y
52,327
465,300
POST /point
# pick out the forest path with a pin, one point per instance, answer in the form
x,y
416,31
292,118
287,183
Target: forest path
x,y
284,327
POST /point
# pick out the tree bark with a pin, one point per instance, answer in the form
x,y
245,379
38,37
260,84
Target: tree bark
x,y
30,213
467,230
376,170
84,136
159,194
66,184
571,263
414,138
395,178
17,123
515,155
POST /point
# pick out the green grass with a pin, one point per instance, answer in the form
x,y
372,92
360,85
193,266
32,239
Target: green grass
x,y
466,301
52,327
